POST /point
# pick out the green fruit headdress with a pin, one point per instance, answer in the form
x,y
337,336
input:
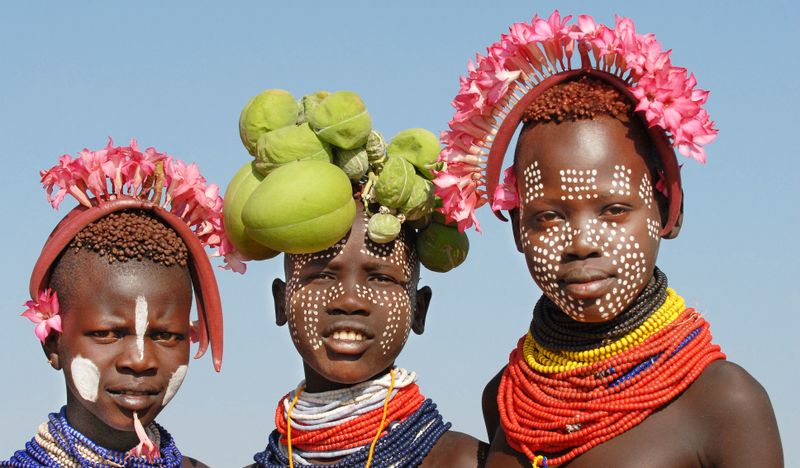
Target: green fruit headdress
x,y
313,158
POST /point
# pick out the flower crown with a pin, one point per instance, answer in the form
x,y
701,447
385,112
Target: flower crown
x,y
525,59
118,171
119,177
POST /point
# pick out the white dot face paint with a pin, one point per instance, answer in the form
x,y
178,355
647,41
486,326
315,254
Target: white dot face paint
x,y
175,382
589,240
85,377
354,299
141,321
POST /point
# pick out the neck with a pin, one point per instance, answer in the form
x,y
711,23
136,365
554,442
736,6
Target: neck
x,y
316,382
85,422
550,326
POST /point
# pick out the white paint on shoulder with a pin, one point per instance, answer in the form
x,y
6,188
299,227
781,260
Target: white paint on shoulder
x,y
86,377
175,383
141,324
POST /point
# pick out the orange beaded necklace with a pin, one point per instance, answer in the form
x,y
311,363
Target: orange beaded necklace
x,y
553,413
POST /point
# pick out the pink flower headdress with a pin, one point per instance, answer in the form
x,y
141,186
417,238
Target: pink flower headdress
x,y
532,58
119,178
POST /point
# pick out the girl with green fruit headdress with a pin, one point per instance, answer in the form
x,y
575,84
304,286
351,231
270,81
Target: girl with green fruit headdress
x,y
355,217
313,158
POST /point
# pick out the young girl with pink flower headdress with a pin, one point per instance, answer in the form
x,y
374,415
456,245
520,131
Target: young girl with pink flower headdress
x,y
615,369
111,299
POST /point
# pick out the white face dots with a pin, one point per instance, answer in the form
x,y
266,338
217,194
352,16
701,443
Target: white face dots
x,y
568,236
578,184
308,301
621,181
398,307
533,182
384,292
646,191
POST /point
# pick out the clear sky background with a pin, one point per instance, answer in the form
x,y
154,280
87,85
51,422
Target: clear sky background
x,y
176,74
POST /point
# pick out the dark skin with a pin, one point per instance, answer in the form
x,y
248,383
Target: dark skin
x,y
725,417
342,361
99,303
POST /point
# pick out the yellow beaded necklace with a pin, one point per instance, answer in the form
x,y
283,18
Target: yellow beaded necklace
x,y
549,361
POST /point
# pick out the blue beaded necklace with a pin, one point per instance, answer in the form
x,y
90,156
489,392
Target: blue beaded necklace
x,y
405,444
68,439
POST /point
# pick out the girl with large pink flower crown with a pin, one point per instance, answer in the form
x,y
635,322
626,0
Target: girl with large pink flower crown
x,y
615,369
111,295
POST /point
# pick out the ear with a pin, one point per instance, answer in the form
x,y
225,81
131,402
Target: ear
x,y
514,215
50,348
424,295
676,229
279,296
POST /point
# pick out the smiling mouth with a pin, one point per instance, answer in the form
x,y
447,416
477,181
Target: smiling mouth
x,y
347,339
348,335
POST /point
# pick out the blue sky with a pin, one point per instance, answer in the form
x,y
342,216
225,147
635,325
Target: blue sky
x,y
175,75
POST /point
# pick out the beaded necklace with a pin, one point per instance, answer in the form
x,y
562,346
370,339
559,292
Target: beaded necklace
x,y
564,402
58,444
342,424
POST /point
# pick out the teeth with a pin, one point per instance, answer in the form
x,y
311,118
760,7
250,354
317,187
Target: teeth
x,y
348,335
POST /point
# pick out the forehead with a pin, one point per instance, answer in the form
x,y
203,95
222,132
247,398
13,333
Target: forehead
x,y
357,249
567,152
94,284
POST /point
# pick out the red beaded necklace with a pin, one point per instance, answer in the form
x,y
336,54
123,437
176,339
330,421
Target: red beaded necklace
x,y
356,432
565,414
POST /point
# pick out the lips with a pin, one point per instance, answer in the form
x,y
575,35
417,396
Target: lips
x,y
584,283
135,398
347,337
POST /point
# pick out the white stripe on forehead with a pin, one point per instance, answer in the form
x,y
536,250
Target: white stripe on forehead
x,y
141,324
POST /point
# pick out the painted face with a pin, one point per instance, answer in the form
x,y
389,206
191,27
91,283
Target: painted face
x,y
125,341
588,223
350,308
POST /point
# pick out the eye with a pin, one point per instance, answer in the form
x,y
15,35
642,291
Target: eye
x,y
546,217
383,278
615,211
106,336
166,337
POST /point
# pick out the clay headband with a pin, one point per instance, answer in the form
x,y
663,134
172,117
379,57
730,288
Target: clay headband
x,y
537,56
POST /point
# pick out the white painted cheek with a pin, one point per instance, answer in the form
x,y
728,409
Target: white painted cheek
x,y
175,383
86,377
141,324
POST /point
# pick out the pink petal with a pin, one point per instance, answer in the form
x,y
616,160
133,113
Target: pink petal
x,y
146,448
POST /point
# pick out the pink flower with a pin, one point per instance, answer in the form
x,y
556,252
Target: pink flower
x,y
146,448
458,187
530,52
44,313
505,194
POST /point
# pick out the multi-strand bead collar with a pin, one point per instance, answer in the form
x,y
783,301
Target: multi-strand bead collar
x,y
342,425
556,404
59,445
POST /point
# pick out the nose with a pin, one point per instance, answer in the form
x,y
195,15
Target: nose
x,y
138,357
582,243
349,297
